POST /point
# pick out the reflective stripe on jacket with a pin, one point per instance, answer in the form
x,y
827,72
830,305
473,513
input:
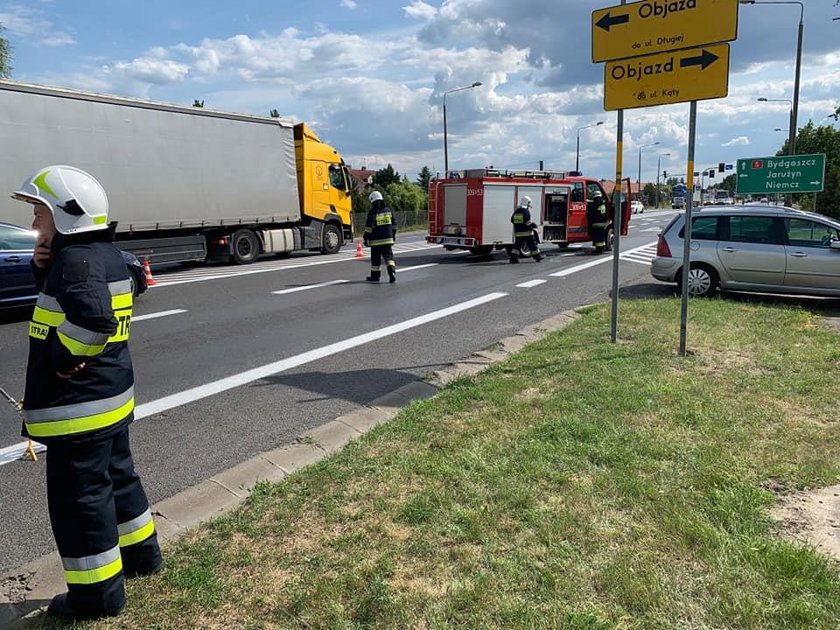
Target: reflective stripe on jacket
x,y
83,315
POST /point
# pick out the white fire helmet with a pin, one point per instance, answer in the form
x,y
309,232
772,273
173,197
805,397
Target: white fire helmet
x,y
375,196
525,202
77,201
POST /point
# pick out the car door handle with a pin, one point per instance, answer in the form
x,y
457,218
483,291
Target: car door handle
x,y
13,259
799,254
729,249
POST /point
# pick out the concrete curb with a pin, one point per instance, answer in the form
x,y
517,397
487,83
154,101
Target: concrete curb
x,y
31,587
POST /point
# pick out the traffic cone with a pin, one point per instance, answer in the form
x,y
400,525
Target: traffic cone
x,y
150,281
359,253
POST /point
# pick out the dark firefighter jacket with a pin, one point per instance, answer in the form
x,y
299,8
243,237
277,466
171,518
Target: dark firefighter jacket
x,y
380,228
83,315
596,212
523,227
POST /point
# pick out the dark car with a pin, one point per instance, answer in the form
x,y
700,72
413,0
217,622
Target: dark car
x,y
17,284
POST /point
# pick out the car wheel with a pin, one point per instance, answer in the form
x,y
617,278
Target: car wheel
x,y
610,240
702,281
245,247
331,243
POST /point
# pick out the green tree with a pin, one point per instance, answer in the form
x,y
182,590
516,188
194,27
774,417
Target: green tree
x,y
386,176
729,183
5,55
405,196
649,194
823,139
424,178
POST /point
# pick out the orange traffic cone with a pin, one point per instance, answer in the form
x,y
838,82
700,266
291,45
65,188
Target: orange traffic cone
x,y
150,281
359,253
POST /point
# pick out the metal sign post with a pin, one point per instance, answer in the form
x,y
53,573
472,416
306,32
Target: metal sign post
x,y
617,217
689,203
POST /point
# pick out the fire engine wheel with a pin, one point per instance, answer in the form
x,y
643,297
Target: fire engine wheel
x,y
564,245
610,240
244,247
481,250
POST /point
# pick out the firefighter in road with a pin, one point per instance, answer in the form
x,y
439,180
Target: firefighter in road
x,y
596,216
524,233
380,235
79,396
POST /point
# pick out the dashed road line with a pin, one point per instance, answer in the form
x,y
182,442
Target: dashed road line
x,y
175,311
401,269
308,287
531,283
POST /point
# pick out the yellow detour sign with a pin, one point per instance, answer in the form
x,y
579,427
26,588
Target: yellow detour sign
x,y
673,77
653,26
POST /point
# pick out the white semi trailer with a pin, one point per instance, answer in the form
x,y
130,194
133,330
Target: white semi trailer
x,y
184,183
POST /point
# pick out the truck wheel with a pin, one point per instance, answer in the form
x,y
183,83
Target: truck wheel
x,y
331,242
245,247
563,245
481,250
610,240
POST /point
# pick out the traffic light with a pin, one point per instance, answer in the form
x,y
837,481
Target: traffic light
x,y
721,167
665,174
711,173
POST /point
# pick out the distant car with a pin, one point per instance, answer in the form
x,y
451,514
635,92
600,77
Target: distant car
x,y
677,203
753,248
637,207
17,283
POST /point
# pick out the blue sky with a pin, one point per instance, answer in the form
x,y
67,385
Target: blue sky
x,y
368,75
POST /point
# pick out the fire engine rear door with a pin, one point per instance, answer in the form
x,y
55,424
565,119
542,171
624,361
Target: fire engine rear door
x,y
555,220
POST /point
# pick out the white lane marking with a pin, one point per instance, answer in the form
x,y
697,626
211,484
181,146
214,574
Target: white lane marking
x,y
567,272
249,376
401,269
653,229
175,311
309,286
15,452
531,283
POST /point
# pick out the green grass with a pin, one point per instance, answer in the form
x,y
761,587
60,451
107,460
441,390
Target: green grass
x,y
577,485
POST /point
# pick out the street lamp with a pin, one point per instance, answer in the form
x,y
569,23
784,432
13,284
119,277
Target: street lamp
x,y
639,178
791,136
794,112
658,171
780,129
445,148
577,155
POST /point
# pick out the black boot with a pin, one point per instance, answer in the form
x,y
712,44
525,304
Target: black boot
x,y
392,275
514,261
373,277
62,610
538,258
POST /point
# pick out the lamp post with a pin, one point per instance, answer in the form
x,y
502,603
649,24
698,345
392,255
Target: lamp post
x,y
794,112
445,148
577,155
658,171
639,178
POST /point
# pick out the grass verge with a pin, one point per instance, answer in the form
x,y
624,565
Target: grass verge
x,y
577,485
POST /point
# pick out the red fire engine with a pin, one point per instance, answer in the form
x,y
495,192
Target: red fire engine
x,y
471,209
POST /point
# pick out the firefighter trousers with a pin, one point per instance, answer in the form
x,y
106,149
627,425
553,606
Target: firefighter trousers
x,y
378,254
525,246
101,520
599,235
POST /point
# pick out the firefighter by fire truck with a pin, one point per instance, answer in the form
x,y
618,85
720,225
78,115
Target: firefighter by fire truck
x,y
596,215
380,236
524,233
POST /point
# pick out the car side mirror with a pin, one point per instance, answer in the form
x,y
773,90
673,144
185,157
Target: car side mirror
x,y
835,245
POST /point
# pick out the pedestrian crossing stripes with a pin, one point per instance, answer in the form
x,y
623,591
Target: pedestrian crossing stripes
x,y
216,273
643,256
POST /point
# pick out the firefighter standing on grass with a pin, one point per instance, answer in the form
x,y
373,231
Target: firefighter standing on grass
x,y
596,216
524,233
380,234
79,396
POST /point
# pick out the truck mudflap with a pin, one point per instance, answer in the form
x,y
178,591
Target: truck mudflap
x,y
461,242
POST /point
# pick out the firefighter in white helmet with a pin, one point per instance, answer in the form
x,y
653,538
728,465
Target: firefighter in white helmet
x,y
380,236
524,233
79,396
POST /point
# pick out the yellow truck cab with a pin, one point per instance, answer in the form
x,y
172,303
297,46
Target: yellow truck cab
x,y
324,186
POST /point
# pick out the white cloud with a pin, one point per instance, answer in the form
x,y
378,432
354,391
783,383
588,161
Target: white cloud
x,y
737,142
349,4
154,71
53,40
420,10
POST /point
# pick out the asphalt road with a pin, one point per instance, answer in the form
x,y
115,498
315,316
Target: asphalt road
x,y
226,368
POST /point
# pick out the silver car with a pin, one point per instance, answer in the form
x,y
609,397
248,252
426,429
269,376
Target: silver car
x,y
753,248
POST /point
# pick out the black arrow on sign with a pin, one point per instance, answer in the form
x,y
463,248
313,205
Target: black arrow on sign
x,y
704,60
606,22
